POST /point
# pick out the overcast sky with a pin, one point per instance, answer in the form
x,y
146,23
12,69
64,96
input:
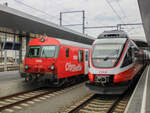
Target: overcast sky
x,y
97,13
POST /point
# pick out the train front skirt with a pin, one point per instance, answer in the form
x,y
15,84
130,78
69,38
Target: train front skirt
x,y
115,89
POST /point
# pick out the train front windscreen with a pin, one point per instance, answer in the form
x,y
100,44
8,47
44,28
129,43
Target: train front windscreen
x,y
48,51
106,55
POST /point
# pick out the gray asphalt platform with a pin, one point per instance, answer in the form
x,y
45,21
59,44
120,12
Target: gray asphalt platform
x,y
140,99
11,83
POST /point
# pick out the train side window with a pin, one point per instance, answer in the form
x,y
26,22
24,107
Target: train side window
x,y
80,55
128,58
86,56
67,52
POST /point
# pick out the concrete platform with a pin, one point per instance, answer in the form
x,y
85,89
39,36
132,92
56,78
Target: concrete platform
x,y
9,75
11,83
140,99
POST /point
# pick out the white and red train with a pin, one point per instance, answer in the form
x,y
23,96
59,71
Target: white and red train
x,y
55,61
114,60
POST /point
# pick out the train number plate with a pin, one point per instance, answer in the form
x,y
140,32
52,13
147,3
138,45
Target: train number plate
x,y
102,79
39,61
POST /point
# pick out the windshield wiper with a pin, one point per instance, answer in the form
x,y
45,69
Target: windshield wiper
x,y
106,58
114,53
44,54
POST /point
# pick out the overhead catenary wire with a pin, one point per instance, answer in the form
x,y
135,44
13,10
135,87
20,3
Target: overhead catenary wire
x,y
121,9
119,17
132,28
33,8
124,14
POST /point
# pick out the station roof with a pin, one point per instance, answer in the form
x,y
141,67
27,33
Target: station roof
x,y
17,20
145,14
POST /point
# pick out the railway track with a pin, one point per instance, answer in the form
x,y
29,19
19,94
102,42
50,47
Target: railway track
x,y
15,102
103,103
100,104
19,98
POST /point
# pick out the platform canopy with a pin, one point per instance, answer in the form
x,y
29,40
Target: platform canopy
x,y
140,43
144,6
17,20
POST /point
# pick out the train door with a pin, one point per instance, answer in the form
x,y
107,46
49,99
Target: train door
x,y
86,61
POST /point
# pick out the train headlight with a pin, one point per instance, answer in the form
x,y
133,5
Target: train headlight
x,y
52,67
26,67
42,40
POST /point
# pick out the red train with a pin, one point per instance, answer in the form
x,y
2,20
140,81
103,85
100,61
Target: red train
x,y
55,61
115,60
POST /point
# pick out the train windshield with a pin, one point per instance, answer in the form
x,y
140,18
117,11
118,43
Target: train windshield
x,y
107,50
106,55
47,51
34,51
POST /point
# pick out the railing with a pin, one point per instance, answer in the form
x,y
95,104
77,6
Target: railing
x,y
9,67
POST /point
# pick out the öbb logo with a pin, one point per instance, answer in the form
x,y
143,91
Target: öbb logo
x,y
72,67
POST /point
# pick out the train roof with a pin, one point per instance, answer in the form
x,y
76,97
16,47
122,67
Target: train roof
x,y
71,43
56,41
113,34
110,40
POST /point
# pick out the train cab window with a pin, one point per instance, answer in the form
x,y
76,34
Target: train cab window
x,y
80,56
48,51
128,58
67,52
34,51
